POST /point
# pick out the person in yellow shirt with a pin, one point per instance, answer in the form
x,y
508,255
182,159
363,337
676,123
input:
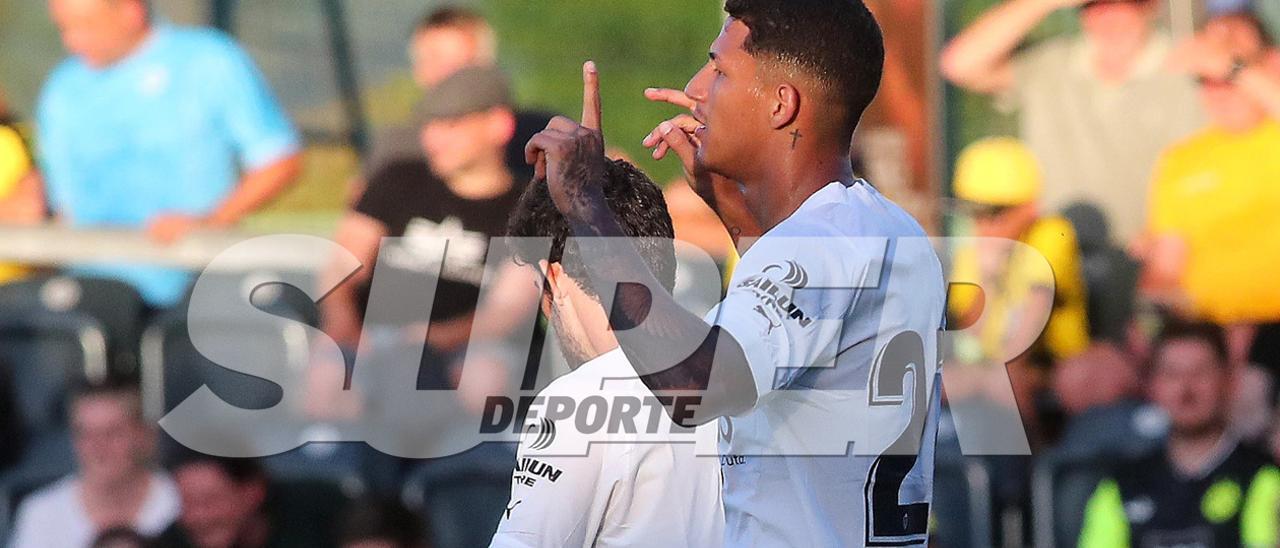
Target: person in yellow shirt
x,y
20,201
998,180
1213,243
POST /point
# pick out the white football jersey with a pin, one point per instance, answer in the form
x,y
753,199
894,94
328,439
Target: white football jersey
x,y
838,310
602,464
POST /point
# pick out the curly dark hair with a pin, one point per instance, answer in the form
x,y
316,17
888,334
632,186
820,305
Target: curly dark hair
x,y
836,42
641,212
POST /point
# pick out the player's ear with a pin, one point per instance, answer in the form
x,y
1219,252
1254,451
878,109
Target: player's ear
x,y
555,278
786,105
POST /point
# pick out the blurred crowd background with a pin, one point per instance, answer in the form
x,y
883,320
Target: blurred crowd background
x,y
1131,146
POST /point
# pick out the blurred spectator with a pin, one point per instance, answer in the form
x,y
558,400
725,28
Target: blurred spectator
x,y
226,503
1100,376
1110,275
1212,219
1096,108
115,485
444,41
1225,51
1204,488
696,223
999,180
152,126
382,523
464,194
120,537
20,201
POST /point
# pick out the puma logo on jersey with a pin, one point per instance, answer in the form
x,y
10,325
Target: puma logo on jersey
x,y
777,299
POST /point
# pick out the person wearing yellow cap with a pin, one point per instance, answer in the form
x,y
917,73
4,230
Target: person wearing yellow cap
x,y
998,181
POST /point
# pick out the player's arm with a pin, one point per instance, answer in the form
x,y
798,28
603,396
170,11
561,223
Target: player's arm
x,y
653,329
980,59
552,490
722,195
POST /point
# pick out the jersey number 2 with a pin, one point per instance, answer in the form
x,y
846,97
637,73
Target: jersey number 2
x,y
889,523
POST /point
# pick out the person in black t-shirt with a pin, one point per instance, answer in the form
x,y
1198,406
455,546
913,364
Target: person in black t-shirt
x,y
1205,488
463,192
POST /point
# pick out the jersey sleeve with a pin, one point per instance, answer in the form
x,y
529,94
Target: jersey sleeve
x,y
256,123
552,494
788,299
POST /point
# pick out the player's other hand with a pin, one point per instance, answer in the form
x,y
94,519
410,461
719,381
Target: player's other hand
x,y
570,155
680,135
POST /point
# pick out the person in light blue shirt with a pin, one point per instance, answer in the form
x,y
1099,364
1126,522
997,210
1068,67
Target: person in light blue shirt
x,y
157,127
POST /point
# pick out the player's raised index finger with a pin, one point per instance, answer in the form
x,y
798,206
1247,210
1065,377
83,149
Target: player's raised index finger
x,y
590,96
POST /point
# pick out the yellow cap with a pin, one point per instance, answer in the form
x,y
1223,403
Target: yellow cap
x,y
998,171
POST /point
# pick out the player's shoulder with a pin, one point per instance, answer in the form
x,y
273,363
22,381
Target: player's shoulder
x,y
853,210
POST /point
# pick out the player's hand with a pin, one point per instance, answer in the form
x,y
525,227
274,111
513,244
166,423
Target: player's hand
x,y
570,155
168,228
679,135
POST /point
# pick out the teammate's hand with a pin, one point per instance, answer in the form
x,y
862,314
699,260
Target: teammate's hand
x,y
570,155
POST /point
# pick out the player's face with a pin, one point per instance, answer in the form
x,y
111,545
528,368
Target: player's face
x,y
1189,383
730,104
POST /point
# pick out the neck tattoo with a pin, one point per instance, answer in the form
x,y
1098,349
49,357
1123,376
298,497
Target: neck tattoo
x,y
795,137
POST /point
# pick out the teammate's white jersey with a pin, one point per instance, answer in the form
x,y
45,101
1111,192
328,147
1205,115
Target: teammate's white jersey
x,y
838,310
616,473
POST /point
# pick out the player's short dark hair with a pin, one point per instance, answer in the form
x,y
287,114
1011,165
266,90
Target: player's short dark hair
x,y
1210,334
638,204
836,42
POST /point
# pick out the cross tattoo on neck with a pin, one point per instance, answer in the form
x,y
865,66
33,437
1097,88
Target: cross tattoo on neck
x,y
795,136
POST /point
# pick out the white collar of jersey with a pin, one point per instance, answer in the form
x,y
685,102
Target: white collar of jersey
x,y
833,192
603,361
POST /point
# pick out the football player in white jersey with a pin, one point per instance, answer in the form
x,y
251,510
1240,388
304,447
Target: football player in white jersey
x,y
601,463
824,354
